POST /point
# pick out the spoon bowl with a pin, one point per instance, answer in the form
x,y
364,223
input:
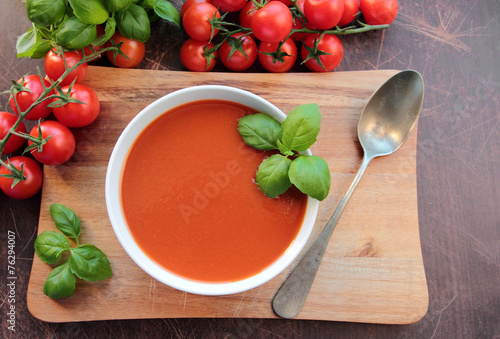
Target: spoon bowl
x,y
384,126
391,113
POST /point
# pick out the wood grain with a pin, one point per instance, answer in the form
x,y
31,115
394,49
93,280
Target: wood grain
x,y
372,271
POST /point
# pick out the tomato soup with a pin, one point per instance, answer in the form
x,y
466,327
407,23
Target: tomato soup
x,y
190,201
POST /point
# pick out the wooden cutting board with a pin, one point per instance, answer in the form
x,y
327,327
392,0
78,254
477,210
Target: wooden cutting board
x,y
372,270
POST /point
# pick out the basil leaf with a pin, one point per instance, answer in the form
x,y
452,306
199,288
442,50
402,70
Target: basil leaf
x,y
74,34
50,245
60,283
259,131
301,127
45,12
89,263
116,5
272,175
133,23
66,220
90,12
109,30
27,43
153,17
41,50
311,175
167,11
283,149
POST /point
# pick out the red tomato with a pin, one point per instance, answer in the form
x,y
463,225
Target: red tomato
x,y
60,146
297,24
278,67
285,2
54,67
189,3
196,21
193,58
87,50
238,61
351,9
323,14
379,12
25,99
26,188
133,49
7,120
329,44
273,22
229,5
246,15
78,115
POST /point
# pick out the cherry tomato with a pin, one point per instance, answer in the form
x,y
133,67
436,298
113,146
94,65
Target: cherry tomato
x,y
329,44
133,49
297,24
26,188
78,115
351,9
273,22
229,5
246,15
285,2
54,67
7,120
379,12
193,58
238,61
196,21
25,99
189,3
323,14
60,146
87,50
278,67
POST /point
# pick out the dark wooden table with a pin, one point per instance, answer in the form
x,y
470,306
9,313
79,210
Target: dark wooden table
x,y
454,44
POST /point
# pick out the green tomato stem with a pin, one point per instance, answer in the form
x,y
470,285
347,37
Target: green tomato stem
x,y
343,31
294,3
257,4
3,163
27,137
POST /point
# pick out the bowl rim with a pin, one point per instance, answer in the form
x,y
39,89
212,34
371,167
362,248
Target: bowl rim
x,y
113,201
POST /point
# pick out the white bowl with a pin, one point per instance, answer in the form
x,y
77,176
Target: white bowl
x,y
112,189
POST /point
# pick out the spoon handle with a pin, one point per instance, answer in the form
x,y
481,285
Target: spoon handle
x,y
292,295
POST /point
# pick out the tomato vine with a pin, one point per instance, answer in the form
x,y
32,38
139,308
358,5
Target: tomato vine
x,y
14,173
273,22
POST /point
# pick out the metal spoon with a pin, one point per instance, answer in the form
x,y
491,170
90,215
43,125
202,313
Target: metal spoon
x,y
384,125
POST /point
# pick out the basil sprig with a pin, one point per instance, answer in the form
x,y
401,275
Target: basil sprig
x,y
72,23
277,173
86,262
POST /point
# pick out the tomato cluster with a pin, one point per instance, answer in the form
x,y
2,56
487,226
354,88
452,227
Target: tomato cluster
x,y
51,142
271,31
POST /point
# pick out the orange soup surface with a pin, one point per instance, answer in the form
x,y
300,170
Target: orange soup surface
x,y
190,200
